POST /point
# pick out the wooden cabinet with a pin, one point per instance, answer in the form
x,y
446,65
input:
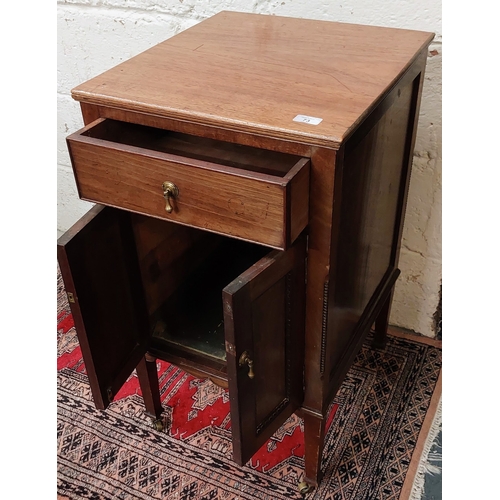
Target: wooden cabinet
x,y
229,310
250,178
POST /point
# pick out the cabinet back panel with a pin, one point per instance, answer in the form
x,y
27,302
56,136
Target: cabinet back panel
x,y
168,253
192,316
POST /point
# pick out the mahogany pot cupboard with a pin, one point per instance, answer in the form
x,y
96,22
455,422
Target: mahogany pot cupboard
x,y
250,176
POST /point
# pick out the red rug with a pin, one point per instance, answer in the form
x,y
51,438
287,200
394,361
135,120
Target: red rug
x,y
373,432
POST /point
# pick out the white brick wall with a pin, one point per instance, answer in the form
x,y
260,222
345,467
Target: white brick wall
x,y
94,35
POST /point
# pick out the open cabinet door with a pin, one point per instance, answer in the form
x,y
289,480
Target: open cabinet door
x,y
264,327
101,276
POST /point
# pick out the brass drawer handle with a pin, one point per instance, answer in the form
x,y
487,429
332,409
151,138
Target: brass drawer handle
x,y
170,190
245,360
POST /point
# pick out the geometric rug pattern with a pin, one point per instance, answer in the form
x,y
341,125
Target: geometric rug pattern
x,y
373,431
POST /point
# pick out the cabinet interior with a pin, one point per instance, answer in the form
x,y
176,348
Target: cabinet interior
x,y
184,271
199,148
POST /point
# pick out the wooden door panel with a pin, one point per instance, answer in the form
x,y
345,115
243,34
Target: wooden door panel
x,y
101,276
264,318
269,328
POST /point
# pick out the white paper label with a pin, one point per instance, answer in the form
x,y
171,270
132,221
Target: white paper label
x,y
311,120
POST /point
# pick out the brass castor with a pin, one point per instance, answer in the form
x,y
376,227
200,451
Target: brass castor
x,y
304,488
158,425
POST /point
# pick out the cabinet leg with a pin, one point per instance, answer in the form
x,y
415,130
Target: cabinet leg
x,y
148,380
382,323
314,435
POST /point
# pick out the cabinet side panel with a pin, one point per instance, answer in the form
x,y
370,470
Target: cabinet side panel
x,y
371,181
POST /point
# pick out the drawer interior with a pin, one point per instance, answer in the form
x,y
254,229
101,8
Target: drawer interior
x,y
198,148
184,271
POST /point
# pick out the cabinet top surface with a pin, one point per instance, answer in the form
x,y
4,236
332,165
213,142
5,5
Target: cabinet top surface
x,y
255,73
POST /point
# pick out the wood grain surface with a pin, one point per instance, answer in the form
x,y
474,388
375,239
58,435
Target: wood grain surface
x,y
99,268
242,79
264,316
244,202
256,73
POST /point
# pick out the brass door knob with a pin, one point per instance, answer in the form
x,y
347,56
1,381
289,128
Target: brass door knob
x,y
245,360
170,190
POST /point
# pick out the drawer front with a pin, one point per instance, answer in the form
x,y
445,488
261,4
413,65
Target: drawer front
x,y
249,205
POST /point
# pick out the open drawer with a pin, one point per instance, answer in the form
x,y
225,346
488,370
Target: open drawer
x,y
240,191
216,306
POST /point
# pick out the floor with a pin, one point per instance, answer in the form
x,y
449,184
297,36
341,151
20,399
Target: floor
x,y
434,478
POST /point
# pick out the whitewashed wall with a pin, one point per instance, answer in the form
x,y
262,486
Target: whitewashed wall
x,y
95,35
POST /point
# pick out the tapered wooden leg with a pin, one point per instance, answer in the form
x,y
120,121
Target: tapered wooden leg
x,y
148,380
314,436
382,323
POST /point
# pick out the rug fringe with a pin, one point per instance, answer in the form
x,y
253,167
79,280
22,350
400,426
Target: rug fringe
x,y
424,467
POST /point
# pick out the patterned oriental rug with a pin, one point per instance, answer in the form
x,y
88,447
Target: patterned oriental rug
x,y
378,427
